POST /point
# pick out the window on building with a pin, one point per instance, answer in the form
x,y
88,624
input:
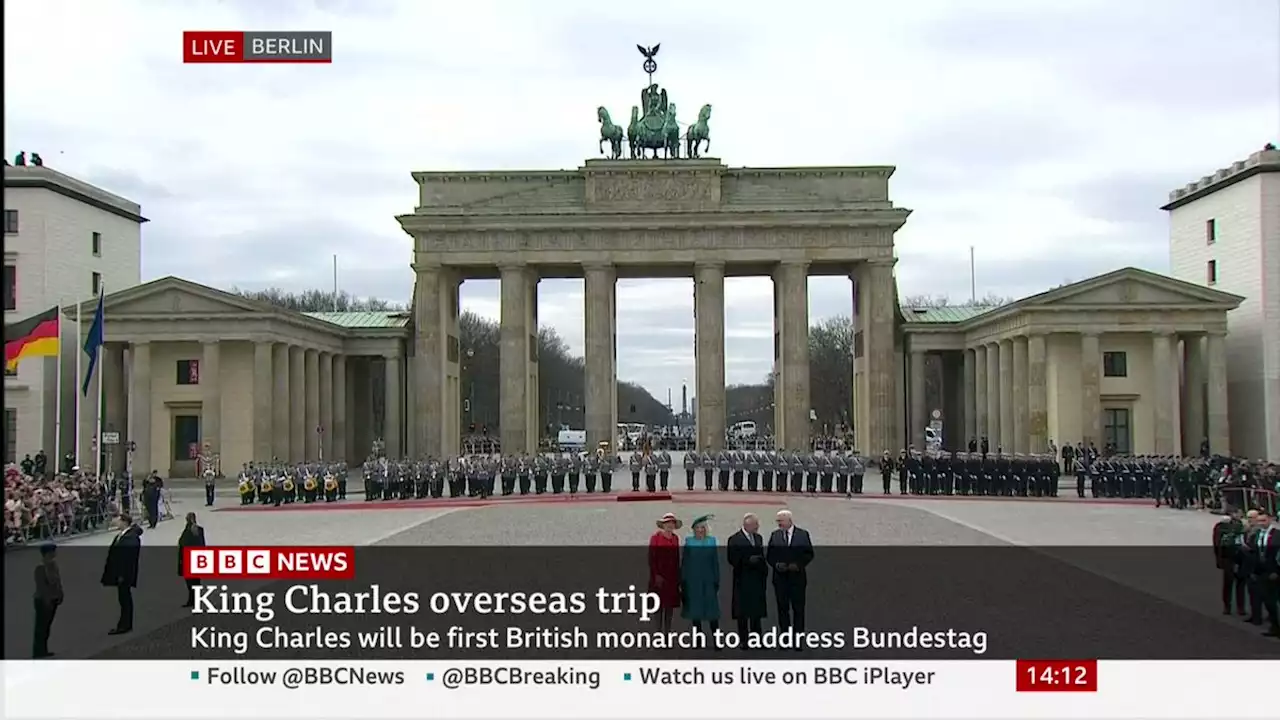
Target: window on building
x,y
186,437
97,244
97,282
188,372
1115,429
10,287
10,222
10,435
1211,272
1115,364
1210,231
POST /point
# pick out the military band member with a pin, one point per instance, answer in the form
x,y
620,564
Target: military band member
x,y
650,473
707,462
330,488
288,491
690,467
310,489
636,464
246,489
724,466
575,473
664,469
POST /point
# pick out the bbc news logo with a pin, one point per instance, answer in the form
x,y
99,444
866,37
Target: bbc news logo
x,y
233,46
269,563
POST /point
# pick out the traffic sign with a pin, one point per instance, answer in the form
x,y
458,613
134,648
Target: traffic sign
x,y
110,438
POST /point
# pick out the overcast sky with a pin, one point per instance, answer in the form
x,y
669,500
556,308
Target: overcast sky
x,y
1044,134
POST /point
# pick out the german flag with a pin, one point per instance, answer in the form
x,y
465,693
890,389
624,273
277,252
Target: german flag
x,y
34,337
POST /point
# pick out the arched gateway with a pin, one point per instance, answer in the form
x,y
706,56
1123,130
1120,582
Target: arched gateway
x,y
644,217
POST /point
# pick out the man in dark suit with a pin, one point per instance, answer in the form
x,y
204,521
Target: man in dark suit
x,y
789,554
192,537
48,597
750,576
121,570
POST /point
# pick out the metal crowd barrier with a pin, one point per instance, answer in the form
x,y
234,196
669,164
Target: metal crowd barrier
x,y
84,521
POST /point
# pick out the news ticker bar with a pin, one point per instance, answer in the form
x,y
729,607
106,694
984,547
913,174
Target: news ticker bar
x,y
251,46
623,689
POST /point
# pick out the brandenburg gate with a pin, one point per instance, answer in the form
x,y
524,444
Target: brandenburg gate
x,y
643,216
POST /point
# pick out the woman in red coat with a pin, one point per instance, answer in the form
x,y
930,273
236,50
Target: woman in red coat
x,y
664,568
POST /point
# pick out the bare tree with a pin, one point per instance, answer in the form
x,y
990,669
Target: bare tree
x,y
941,301
315,300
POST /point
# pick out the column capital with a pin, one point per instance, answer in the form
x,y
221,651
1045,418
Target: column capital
x,y
709,265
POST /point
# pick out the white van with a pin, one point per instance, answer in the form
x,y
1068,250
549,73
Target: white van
x,y
572,440
745,430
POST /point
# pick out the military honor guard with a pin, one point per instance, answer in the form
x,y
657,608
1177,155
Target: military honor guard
x,y
650,466
724,465
737,468
246,488
575,473
707,462
559,470
690,468
753,471
289,489
208,466
664,469
636,465
541,473
591,466
609,462
886,472
330,488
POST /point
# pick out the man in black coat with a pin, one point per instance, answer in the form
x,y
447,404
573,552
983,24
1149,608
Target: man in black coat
x,y
789,554
121,570
192,537
750,576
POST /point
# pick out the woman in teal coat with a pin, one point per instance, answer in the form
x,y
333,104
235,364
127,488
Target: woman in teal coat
x,y
700,577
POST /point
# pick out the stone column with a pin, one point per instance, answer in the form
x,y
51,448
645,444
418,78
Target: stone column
x,y
708,318
969,398
792,401
338,437
116,398
1021,419
1038,394
262,389
993,395
917,415
282,402
518,396
1216,395
139,409
326,405
600,334
392,430
311,370
1006,395
878,309
982,427
1164,387
211,397
1090,390
437,355
297,405
1193,394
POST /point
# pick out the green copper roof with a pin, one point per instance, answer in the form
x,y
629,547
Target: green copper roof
x,y
938,315
364,319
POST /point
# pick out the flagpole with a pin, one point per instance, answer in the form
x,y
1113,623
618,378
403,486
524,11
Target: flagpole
x,y
57,401
79,374
101,405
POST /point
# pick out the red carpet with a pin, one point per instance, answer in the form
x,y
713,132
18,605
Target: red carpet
x,y
644,497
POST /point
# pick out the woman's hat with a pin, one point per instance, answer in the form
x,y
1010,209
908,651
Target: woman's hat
x,y
701,520
670,518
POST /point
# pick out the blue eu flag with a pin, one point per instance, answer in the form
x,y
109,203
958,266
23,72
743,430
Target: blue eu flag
x,y
93,342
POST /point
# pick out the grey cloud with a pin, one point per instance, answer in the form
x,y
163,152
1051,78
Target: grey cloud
x,y
1183,53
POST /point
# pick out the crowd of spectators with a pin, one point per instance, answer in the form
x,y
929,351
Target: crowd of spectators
x,y
40,506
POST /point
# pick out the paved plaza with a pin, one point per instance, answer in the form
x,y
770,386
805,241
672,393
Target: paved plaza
x,y
833,521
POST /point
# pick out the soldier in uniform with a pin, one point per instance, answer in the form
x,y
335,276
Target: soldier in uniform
x,y
753,471
575,473
509,466
737,469
541,473
856,468
609,462
825,468
650,464
310,489
840,472
636,464
288,490
209,469
592,470
330,488
664,469
886,472
522,473
246,488
766,471
724,465
795,472
707,462
690,467
559,468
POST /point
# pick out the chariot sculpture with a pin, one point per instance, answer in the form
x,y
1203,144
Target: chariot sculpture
x,y
654,130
